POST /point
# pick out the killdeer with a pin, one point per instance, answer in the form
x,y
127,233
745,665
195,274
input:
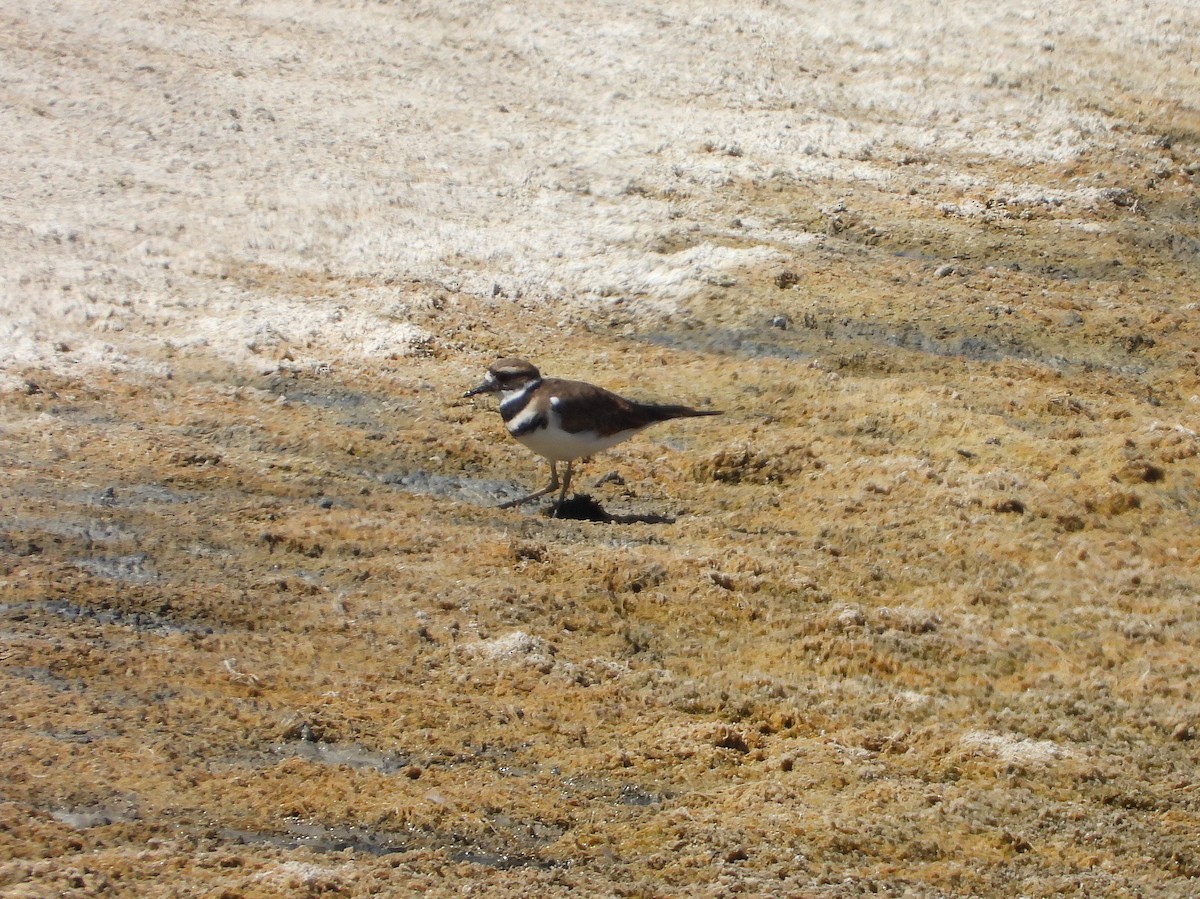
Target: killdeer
x,y
567,420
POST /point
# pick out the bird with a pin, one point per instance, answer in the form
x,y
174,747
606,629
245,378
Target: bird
x,y
563,421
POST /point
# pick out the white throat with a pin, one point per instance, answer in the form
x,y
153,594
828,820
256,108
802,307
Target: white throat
x,y
515,399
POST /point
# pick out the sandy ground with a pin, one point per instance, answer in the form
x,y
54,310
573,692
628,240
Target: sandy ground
x,y
918,615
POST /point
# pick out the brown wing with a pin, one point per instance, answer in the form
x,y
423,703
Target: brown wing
x,y
586,407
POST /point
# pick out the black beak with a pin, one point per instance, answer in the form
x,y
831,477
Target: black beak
x,y
487,386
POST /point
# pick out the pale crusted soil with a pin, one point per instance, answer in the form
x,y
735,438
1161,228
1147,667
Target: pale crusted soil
x,y
918,615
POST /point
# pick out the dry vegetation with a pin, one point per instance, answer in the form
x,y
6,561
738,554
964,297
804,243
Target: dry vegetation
x,y
919,615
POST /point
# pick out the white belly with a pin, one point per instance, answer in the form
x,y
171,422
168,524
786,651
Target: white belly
x,y
558,445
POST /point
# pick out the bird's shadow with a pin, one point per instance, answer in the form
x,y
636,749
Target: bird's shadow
x,y
582,507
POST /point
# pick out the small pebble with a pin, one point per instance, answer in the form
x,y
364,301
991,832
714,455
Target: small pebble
x,y
851,617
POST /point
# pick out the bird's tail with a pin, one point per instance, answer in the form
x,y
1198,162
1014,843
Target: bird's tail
x,y
666,412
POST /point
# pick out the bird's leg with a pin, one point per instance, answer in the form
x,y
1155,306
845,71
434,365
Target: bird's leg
x,y
549,488
563,493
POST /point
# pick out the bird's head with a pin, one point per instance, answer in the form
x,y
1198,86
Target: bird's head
x,y
507,376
